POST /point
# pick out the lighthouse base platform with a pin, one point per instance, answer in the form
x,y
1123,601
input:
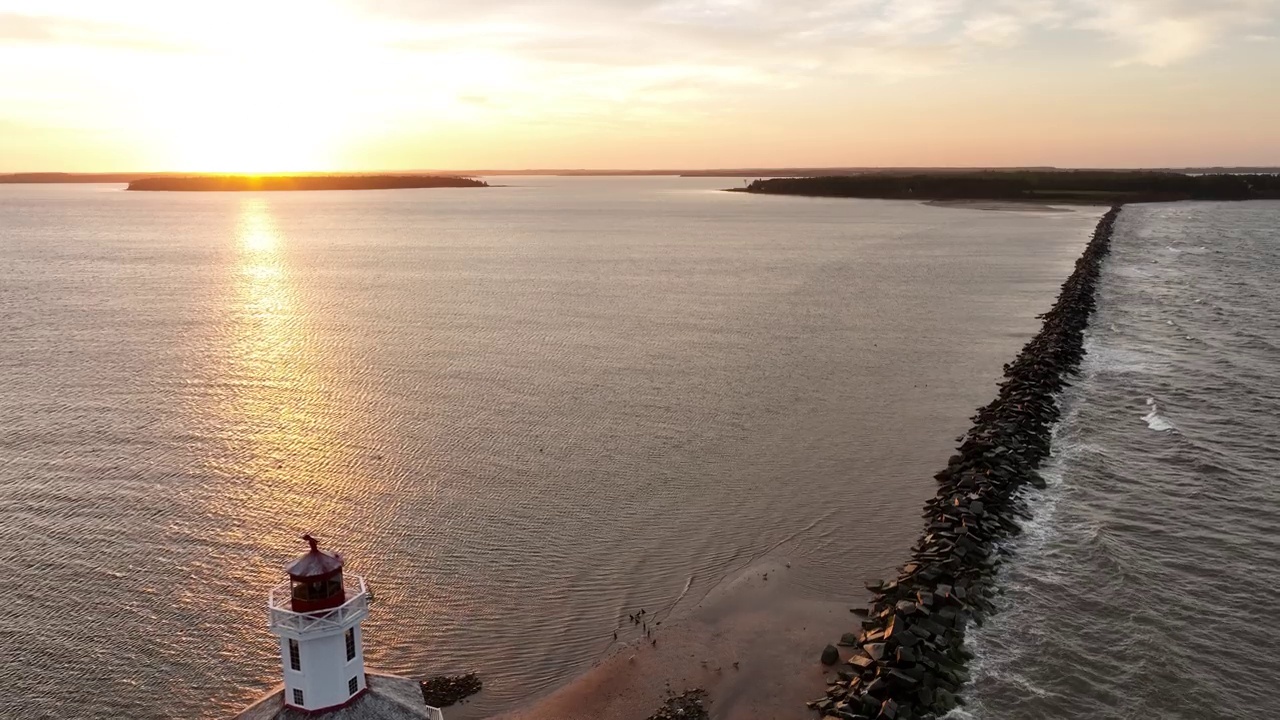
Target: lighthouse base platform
x,y
388,697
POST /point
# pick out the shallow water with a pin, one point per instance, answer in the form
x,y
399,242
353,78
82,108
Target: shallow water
x,y
1146,586
522,412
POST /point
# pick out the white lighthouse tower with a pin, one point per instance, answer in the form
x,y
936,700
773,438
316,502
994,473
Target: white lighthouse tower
x,y
317,614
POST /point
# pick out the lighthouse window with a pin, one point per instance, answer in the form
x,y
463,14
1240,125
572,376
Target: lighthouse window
x,y
351,643
295,658
352,686
297,696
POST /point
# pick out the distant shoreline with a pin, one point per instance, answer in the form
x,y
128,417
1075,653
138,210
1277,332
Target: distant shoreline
x,y
1034,187
1028,204
295,183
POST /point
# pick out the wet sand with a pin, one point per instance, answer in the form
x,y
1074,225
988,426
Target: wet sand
x,y
768,627
998,205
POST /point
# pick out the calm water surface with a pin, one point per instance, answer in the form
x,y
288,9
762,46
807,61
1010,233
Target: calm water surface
x,y
522,412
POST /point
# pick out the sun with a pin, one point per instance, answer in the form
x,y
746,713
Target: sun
x,y
252,149
271,96
307,87
249,126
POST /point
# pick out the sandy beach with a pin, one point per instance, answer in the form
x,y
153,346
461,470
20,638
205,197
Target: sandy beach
x,y
998,205
752,643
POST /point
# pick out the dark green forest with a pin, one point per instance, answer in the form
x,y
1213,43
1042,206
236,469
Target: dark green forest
x,y
1079,187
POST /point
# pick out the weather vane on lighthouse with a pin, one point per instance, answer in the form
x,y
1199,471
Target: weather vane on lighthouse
x,y
316,616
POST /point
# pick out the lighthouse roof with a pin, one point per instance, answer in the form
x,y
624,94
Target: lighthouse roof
x,y
315,563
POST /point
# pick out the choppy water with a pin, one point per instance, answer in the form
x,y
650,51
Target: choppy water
x,y
1147,586
523,412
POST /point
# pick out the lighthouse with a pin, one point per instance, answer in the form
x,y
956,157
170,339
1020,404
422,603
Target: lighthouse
x,y
315,615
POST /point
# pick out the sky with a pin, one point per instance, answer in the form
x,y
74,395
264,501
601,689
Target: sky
x,y
332,85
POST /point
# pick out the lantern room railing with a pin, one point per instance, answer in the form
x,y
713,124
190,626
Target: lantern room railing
x,y
282,615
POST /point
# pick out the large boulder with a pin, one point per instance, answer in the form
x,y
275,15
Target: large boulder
x,y
830,655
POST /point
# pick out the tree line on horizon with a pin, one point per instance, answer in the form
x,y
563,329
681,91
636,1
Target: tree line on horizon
x,y
1092,187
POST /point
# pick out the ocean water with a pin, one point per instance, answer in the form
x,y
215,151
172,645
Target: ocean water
x,y
523,413
1146,586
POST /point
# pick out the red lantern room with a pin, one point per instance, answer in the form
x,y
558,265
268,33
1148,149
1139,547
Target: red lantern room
x,y
316,579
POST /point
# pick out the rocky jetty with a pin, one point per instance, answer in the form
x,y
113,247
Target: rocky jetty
x,y
685,706
445,690
907,659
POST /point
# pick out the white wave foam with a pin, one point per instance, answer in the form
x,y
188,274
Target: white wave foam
x,y
1108,358
1155,420
1038,533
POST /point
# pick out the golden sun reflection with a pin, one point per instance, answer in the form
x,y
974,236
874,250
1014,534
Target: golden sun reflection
x,y
289,460
268,340
300,447
257,235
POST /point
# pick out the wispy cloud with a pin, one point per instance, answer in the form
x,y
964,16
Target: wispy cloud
x,y
632,58
629,56
995,28
18,28
885,38
1161,33
839,35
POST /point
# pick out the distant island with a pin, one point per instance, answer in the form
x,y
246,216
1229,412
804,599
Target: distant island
x,y
240,183
1086,187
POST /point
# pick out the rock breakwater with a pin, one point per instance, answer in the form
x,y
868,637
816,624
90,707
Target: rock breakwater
x,y
445,690
907,660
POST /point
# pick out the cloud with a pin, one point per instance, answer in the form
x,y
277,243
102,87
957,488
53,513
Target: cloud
x,y
842,36
14,27
630,56
636,57
38,30
994,29
914,18
765,38
679,57
1162,33
886,38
